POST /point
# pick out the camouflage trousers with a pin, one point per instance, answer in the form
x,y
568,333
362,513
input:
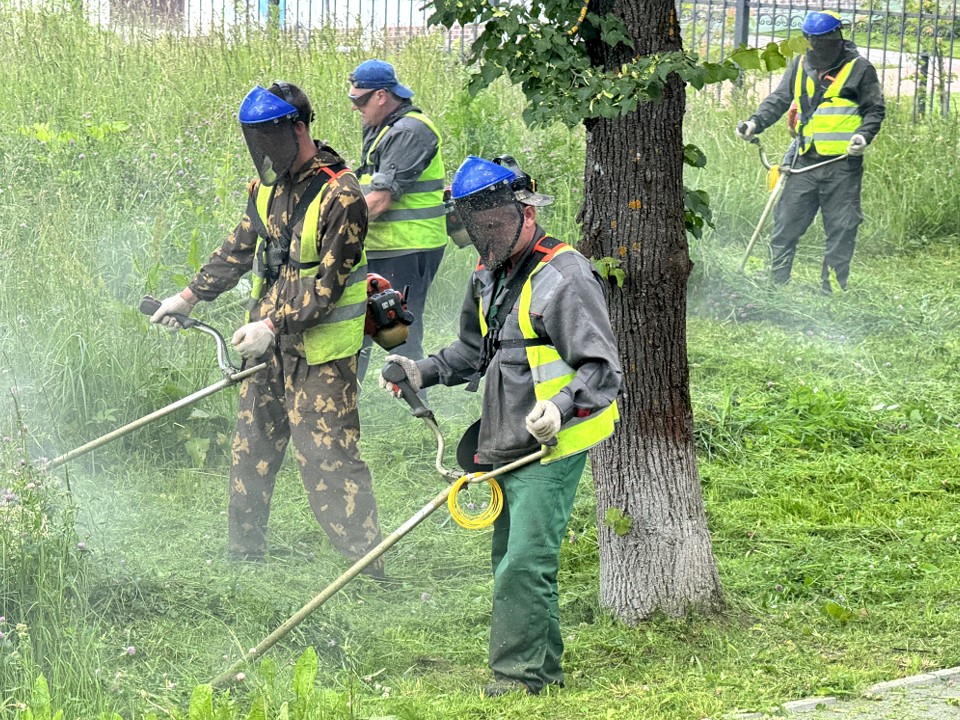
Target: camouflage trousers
x,y
316,407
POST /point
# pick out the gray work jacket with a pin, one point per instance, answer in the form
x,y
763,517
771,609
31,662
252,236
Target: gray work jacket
x,y
568,307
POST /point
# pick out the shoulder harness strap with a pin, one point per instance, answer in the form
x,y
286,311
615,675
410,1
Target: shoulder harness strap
x,y
543,252
319,181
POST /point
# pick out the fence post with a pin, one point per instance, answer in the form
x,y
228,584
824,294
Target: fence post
x,y
923,71
741,23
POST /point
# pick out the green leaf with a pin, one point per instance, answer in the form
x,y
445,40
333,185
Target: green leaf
x,y
694,156
609,267
258,709
305,674
697,212
838,612
794,45
772,58
746,58
40,701
268,670
201,703
197,450
614,518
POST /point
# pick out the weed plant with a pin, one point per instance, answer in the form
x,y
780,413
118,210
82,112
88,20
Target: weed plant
x,y
43,580
826,430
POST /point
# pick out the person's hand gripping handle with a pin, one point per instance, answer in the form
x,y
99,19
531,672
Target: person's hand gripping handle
x,y
394,373
149,305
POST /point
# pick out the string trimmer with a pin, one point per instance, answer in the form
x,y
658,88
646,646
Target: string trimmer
x,y
776,177
231,376
395,374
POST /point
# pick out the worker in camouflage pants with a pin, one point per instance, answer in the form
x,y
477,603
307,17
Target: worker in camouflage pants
x,y
295,400
301,241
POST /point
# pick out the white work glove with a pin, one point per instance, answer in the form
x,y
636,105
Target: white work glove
x,y
176,304
858,143
414,377
746,130
253,339
543,422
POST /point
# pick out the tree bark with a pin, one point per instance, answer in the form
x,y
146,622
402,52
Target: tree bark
x,y
633,211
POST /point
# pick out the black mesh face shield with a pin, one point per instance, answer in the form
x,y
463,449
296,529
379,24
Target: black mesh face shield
x,y
825,50
273,147
493,219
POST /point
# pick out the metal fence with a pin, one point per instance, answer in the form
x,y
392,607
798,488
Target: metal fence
x,y
389,22
912,44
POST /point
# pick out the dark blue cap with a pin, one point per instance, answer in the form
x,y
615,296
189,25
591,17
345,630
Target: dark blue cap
x,y
379,74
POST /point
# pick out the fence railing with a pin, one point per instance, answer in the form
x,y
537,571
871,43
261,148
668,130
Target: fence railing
x,y
912,43
385,21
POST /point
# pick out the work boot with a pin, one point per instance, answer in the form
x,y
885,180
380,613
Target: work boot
x,y
825,288
505,687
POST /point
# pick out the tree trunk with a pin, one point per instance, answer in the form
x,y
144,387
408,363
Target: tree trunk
x,y
633,211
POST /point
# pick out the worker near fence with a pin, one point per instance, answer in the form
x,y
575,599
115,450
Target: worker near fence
x,y
838,104
401,173
534,324
301,239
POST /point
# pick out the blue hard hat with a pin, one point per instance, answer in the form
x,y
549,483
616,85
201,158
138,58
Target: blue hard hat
x,y
821,23
476,174
261,106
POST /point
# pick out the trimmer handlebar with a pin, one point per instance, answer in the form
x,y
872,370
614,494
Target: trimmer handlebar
x,y
149,305
394,373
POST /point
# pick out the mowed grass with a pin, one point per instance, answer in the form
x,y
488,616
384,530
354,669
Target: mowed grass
x,y
826,427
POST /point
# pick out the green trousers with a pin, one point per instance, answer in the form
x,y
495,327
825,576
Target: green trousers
x,y
525,640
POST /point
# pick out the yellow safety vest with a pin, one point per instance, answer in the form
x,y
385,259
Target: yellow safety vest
x,y
551,374
340,332
835,120
417,221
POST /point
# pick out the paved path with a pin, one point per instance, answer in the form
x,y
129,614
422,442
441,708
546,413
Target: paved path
x,y
932,696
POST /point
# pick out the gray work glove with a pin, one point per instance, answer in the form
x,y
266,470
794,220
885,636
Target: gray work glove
x,y
253,339
176,304
858,143
746,130
543,422
414,377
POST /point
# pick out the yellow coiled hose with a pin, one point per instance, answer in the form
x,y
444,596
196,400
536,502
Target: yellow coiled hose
x,y
773,175
470,520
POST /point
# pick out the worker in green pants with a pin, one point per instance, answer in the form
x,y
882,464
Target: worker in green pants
x,y
526,553
533,323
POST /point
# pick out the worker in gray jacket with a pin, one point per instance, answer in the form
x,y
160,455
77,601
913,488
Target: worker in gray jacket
x,y
836,106
534,323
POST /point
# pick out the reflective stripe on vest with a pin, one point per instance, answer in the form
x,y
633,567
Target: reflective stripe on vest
x,y
551,374
835,121
340,332
417,221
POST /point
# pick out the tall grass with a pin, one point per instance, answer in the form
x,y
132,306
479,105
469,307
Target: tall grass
x,y
827,439
43,579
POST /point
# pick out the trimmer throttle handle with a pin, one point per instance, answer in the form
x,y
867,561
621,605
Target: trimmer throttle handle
x,y
393,373
149,305
742,128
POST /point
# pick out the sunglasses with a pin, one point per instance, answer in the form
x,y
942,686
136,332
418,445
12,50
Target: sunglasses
x,y
360,101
